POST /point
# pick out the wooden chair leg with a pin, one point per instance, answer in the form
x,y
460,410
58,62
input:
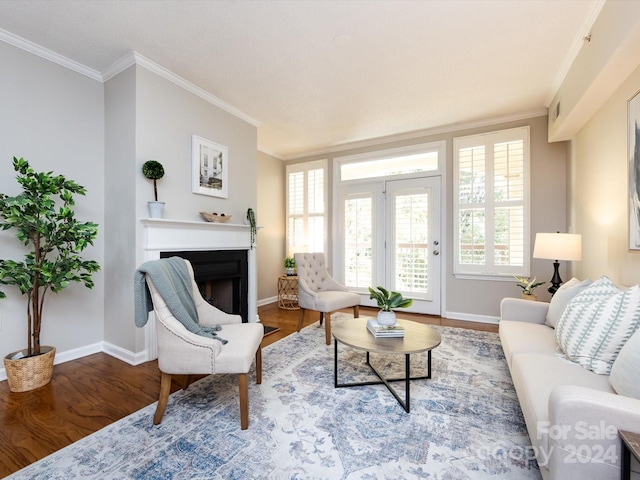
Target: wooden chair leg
x,y
186,381
321,318
243,388
327,328
165,388
356,311
301,319
259,365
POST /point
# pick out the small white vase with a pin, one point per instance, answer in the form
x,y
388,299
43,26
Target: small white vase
x,y
155,209
386,318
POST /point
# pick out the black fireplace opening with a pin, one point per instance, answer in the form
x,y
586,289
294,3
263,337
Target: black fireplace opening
x,y
222,277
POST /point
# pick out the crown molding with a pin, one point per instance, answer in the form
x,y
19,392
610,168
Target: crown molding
x,y
119,66
129,59
134,57
47,54
455,127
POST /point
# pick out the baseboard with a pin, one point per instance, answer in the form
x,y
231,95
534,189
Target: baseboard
x,y
470,317
125,355
267,301
67,356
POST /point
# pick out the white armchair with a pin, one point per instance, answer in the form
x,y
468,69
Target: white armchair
x,y
318,291
181,352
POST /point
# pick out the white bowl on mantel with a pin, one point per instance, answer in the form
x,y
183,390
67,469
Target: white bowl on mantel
x,y
215,218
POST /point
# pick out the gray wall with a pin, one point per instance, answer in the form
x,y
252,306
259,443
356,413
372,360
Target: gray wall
x,y
54,118
166,117
120,216
480,299
100,135
153,118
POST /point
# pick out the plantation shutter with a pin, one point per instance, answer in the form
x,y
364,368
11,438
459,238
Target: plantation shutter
x,y
306,206
491,203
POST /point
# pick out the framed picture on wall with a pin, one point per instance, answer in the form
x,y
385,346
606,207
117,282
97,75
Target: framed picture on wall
x,y
633,132
209,167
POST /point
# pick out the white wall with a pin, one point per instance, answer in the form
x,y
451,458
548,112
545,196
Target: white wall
x,y
54,118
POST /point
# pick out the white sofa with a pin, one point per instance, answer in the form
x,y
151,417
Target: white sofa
x,y
572,414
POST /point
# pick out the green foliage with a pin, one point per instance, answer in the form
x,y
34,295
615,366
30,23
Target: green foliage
x,y
387,300
153,170
289,262
251,217
47,225
528,286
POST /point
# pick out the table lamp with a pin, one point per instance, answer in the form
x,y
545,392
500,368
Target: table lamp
x,y
557,246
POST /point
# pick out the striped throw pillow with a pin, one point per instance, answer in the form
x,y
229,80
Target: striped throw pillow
x,y
597,323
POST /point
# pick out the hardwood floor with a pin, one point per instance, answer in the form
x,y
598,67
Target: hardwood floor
x,y
88,394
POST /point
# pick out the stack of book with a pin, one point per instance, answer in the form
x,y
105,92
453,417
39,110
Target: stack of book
x,y
384,331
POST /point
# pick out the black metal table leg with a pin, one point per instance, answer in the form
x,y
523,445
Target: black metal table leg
x,y
385,381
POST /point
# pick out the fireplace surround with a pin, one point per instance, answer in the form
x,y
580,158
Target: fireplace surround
x,y
222,277
164,238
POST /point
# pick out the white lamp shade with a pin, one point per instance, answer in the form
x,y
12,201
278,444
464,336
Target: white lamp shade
x,y
558,246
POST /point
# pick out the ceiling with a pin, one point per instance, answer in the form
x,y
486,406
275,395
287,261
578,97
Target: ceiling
x,y
319,74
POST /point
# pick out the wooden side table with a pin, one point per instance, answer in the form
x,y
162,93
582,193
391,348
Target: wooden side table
x,y
288,292
630,446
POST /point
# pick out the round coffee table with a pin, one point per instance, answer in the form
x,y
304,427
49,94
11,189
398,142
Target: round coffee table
x,y
417,338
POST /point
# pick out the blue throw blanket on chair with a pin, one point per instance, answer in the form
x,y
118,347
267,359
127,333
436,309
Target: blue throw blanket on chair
x,y
171,278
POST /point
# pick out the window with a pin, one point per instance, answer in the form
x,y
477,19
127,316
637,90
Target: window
x,y
306,207
491,203
414,159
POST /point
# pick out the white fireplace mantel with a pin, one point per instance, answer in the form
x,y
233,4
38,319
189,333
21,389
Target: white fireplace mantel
x,y
173,235
165,235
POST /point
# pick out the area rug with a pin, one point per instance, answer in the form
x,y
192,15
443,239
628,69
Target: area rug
x,y
465,422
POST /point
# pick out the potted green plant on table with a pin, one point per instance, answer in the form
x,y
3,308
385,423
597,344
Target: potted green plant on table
x,y
290,266
153,170
44,221
528,286
387,301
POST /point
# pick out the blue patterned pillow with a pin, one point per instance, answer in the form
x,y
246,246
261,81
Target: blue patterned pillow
x,y
597,323
561,299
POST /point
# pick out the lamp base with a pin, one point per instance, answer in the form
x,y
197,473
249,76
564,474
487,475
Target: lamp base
x,y
556,281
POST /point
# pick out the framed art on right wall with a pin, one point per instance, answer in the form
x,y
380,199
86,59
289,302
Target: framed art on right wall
x,y
633,129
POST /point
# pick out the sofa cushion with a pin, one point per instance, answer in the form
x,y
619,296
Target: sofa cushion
x,y
625,374
535,376
522,337
561,298
597,323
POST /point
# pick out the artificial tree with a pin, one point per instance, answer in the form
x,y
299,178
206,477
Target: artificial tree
x,y
43,218
153,170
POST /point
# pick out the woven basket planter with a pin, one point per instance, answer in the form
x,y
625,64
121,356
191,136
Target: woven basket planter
x,y
29,373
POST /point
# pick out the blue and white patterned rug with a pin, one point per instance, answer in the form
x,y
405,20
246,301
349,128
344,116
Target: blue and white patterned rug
x,y
465,422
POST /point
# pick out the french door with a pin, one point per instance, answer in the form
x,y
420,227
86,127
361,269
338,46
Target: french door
x,y
391,237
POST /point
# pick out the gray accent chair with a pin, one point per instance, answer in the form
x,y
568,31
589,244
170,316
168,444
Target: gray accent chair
x,y
318,291
181,352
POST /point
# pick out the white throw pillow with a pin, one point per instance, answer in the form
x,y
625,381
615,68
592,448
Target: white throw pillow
x,y
561,299
625,374
597,323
